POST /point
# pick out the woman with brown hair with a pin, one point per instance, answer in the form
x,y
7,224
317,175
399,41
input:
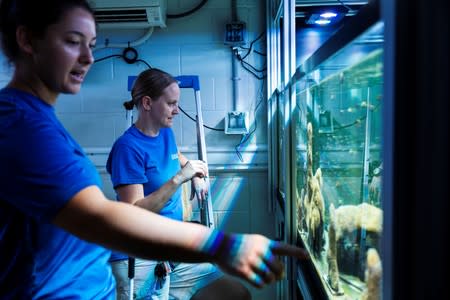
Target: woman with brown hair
x,y
147,170
55,222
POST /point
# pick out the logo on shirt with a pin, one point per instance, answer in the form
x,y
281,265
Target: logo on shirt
x,y
174,156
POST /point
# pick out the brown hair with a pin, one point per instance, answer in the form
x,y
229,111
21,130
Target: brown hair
x,y
152,83
37,16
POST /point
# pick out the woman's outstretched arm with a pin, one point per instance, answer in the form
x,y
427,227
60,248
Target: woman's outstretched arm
x,y
140,233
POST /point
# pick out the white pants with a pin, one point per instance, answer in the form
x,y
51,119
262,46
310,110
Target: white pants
x,y
181,284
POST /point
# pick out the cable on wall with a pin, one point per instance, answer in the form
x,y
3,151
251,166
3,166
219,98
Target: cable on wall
x,y
187,13
130,56
257,73
190,117
135,43
246,137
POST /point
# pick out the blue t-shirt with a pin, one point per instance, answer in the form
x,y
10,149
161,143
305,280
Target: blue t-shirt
x,y
136,158
42,168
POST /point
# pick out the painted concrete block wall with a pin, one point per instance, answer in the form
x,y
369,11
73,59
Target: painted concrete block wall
x,y
5,71
192,45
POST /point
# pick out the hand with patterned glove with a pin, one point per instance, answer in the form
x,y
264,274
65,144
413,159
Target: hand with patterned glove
x,y
252,257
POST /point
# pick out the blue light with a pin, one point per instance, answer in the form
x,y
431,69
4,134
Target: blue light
x,y
324,18
322,22
328,15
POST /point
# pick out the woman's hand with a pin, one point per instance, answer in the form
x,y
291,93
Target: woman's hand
x,y
252,257
191,169
199,188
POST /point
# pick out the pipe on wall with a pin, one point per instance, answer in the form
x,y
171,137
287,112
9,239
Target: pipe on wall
x,y
234,62
235,77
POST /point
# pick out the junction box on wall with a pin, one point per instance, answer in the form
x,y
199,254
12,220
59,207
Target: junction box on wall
x,y
237,122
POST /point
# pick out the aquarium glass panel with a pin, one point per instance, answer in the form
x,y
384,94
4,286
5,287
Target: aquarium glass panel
x,y
337,134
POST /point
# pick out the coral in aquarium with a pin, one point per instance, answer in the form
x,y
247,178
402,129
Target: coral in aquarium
x,y
300,212
313,202
333,270
373,276
346,224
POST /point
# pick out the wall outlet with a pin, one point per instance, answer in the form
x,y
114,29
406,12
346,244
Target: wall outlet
x,y
237,122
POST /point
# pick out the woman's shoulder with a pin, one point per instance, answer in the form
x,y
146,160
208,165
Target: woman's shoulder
x,y
128,141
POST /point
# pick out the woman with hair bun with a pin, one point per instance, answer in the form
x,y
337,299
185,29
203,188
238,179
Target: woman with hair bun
x,y
147,170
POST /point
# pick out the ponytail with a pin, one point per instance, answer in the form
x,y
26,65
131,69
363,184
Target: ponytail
x,y
128,104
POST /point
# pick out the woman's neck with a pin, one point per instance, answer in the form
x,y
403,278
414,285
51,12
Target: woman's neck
x,y
32,86
147,127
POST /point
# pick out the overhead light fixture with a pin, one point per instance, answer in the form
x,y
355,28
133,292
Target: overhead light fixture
x,y
328,15
315,15
322,22
324,17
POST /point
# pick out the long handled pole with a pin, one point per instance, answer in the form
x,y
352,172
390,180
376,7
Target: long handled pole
x,y
205,206
131,261
192,81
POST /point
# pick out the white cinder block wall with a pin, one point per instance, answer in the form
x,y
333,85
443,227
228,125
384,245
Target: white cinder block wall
x,y
192,45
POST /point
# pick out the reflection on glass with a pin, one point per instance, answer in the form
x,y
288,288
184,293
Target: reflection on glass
x,y
281,145
338,138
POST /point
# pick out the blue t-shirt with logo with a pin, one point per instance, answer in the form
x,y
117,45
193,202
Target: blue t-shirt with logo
x,y
42,168
136,158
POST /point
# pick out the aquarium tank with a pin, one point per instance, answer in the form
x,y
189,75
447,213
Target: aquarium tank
x,y
338,168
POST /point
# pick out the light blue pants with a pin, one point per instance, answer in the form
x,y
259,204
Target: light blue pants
x,y
181,284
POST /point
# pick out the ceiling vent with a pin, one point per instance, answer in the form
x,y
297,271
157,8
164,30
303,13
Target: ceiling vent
x,y
130,14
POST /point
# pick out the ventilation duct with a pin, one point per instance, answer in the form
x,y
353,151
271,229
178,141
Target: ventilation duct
x,y
117,14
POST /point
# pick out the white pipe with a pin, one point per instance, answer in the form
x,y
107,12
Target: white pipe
x,y
235,62
137,42
235,77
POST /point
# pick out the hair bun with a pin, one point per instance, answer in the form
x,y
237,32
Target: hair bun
x,y
128,104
